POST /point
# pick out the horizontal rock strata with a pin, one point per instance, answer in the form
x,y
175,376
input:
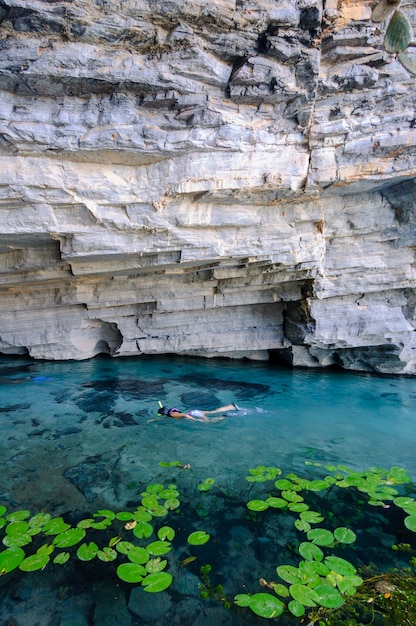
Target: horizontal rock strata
x,y
226,178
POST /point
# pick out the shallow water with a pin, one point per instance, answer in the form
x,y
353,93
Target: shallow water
x,y
77,437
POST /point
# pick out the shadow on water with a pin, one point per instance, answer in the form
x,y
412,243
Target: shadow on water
x,y
80,437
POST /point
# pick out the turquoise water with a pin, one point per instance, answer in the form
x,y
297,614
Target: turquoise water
x,y
76,437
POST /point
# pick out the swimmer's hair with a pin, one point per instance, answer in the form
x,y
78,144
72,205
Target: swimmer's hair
x,y
163,410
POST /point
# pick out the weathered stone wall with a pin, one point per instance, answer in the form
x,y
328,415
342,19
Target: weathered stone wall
x,y
221,177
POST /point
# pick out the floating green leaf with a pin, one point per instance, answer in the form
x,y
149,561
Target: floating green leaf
x,y
257,505
328,597
124,516
157,548
55,526
168,494
312,517
280,590
61,558
17,541
310,551
10,559
340,566
107,554
242,599
87,551
17,516
39,520
124,546
143,530
317,485
296,608
276,503
292,496
69,538
288,573
137,554
172,504
141,516
166,532
17,528
344,535
105,513
155,565
410,522
348,585
131,572
154,488
303,594
321,537
198,538
34,562
157,581
266,605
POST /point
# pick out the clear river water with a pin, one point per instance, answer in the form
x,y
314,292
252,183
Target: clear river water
x,y
78,437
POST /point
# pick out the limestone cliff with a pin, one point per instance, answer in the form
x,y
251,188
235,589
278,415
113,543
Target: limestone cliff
x,y
224,177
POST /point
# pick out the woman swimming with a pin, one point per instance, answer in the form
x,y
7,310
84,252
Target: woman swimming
x,y
195,414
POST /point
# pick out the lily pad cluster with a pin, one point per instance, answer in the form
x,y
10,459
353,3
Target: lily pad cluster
x,y
33,541
399,35
315,585
321,580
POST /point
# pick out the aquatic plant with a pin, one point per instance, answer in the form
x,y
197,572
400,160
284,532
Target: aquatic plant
x,y
322,582
399,33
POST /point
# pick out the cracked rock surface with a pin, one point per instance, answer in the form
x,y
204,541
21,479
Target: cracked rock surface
x,y
227,178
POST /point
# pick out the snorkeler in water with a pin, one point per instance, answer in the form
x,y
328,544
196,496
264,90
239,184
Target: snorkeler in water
x,y
195,414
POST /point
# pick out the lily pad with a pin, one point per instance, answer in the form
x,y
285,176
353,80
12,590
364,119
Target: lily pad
x,y
61,558
296,608
137,554
340,566
344,535
141,516
157,548
166,532
143,530
157,581
87,551
198,538
55,526
10,559
131,572
310,551
410,522
257,505
328,597
155,565
107,554
312,517
17,516
266,605
303,594
321,537
276,503
288,573
69,538
34,562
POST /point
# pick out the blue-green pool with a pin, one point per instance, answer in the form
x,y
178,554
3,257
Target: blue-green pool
x,y
76,437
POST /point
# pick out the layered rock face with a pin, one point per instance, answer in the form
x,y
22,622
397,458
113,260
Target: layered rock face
x,y
220,178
